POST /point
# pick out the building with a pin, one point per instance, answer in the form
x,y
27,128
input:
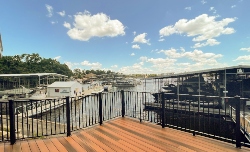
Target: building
x,y
61,89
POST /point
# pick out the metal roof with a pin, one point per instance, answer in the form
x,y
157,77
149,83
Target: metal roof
x,y
62,84
32,74
204,71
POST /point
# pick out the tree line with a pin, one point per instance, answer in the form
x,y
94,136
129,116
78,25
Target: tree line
x,y
33,63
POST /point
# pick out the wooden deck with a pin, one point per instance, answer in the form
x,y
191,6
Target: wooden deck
x,y
123,134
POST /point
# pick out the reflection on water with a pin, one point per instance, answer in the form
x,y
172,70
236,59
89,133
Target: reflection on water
x,y
85,112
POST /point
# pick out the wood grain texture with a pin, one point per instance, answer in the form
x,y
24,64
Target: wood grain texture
x,y
124,134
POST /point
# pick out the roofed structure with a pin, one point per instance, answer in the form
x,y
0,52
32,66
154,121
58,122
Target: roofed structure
x,y
244,70
62,84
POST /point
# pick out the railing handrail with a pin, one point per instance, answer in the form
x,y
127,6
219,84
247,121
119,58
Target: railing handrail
x,y
127,103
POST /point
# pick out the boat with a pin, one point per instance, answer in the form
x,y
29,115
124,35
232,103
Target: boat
x,y
17,91
124,83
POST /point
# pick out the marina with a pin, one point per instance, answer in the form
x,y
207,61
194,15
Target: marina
x,y
209,114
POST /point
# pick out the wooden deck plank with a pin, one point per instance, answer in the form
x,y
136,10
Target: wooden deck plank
x,y
216,145
127,141
25,146
140,140
74,144
66,144
7,147
49,144
1,146
16,147
165,144
58,145
41,145
33,145
90,143
107,141
124,134
191,140
169,142
83,144
105,147
113,140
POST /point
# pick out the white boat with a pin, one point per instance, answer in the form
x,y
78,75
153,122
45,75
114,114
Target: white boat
x,y
16,91
125,83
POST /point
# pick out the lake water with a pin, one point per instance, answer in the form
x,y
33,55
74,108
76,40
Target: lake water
x,y
86,111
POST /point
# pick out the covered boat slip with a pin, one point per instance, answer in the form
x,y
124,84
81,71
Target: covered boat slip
x,y
18,84
200,89
227,81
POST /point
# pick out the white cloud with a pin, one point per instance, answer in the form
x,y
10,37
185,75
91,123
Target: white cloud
x,y
161,39
161,62
136,68
141,39
212,9
196,55
62,13
57,58
243,58
168,30
67,25
233,6
87,26
202,28
50,10
114,66
209,42
70,64
245,49
95,65
143,58
203,2
188,8
134,32
136,46
53,22
132,54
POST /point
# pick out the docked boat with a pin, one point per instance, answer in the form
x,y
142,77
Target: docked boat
x,y
125,83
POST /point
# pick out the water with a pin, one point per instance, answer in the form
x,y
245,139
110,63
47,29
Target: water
x,y
86,112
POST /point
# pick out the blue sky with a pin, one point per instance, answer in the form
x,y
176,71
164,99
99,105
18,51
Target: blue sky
x,y
132,36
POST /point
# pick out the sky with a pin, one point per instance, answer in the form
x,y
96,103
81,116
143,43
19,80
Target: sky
x,y
130,36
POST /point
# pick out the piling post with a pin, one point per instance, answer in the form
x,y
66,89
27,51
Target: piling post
x,y
100,108
68,116
237,127
12,122
123,103
163,110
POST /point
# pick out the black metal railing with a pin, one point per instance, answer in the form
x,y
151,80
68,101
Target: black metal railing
x,y
212,116
222,118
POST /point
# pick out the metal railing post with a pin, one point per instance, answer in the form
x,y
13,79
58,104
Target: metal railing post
x,y
12,122
237,127
163,110
100,108
123,103
68,116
